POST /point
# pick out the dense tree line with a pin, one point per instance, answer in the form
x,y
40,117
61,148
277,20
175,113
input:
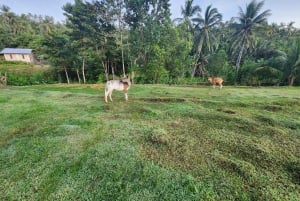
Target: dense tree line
x,y
106,38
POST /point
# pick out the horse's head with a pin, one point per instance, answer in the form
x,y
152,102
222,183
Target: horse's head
x,y
126,80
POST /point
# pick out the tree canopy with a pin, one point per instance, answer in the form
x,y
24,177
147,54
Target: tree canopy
x,y
102,39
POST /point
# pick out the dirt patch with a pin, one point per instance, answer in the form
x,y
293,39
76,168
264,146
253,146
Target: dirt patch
x,y
226,111
273,108
96,86
195,100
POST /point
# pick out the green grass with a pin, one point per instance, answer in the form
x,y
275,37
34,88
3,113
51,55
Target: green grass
x,y
166,143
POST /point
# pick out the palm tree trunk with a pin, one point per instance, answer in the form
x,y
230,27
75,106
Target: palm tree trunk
x,y
291,80
202,70
238,61
194,67
194,70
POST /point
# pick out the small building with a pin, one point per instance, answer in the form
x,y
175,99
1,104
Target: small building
x,y
18,54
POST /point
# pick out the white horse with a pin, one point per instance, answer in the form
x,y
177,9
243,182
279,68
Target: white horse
x,y
119,85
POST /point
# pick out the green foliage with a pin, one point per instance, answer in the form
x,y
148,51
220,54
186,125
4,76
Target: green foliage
x,y
247,73
6,65
293,62
21,74
256,73
178,61
249,22
205,37
99,36
217,64
154,70
32,78
101,78
268,74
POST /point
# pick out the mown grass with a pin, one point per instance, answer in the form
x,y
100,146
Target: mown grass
x,y
61,142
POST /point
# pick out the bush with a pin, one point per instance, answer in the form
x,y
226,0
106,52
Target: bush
x,y
22,79
29,76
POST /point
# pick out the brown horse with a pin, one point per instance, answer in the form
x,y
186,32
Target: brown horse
x,y
216,80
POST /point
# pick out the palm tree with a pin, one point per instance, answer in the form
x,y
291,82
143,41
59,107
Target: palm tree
x,y
204,26
205,38
291,29
47,24
250,21
293,62
188,11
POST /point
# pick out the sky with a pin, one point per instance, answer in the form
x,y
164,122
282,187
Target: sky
x,y
284,11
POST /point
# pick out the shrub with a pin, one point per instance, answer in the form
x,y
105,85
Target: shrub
x,y
30,76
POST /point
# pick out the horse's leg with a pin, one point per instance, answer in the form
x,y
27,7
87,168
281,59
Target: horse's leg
x,y
105,95
110,93
126,96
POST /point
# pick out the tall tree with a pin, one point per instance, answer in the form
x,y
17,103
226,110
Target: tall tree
x,y
120,16
204,26
6,15
188,12
249,21
7,26
293,62
59,52
204,37
89,26
147,20
178,59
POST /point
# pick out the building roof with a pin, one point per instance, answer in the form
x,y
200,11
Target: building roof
x,y
16,51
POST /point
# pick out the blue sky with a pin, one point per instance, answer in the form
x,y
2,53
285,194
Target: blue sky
x,y
282,10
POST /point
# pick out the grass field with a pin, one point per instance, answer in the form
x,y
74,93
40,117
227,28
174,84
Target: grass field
x,y
60,142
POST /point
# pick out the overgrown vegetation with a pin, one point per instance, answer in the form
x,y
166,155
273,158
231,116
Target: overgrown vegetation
x,y
105,37
22,74
61,142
